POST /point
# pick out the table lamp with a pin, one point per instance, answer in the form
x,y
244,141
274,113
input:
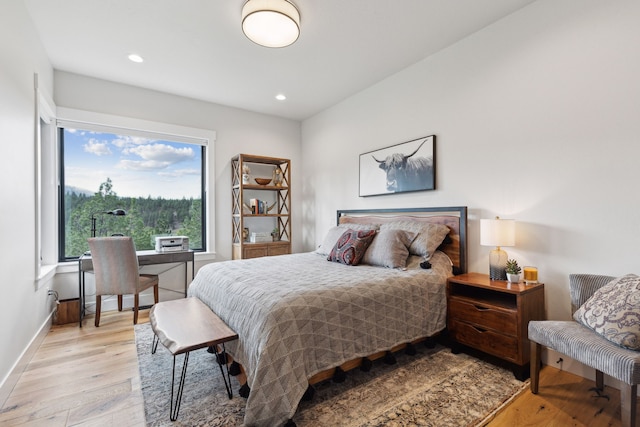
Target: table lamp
x,y
497,232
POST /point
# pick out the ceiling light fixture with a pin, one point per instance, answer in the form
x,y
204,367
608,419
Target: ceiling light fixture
x,y
271,23
135,58
280,97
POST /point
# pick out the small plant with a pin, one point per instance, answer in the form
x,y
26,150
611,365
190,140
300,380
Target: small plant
x,y
513,267
275,234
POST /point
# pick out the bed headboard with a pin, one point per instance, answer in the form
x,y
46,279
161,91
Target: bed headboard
x,y
454,217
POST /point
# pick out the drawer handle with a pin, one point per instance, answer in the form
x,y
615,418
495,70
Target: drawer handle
x,y
481,330
479,308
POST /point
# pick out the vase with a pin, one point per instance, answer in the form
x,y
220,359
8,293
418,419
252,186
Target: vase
x,y
513,278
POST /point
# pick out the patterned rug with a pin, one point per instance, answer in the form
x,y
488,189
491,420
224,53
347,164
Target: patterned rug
x,y
432,388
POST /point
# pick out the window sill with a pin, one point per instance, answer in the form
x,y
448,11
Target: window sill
x,y
47,272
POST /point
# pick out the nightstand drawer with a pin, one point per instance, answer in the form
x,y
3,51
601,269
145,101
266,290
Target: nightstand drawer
x,y
486,340
503,321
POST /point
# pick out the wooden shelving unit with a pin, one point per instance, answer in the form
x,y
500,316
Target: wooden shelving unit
x,y
279,215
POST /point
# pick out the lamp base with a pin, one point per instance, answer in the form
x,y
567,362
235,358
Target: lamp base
x,y
497,264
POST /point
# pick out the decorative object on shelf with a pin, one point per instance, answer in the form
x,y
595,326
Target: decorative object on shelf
x,y
245,234
513,271
116,212
275,234
277,177
260,207
409,166
246,174
497,232
530,275
263,181
271,23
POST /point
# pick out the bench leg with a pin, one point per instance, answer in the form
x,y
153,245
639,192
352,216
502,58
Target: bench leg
x,y
154,344
227,379
175,408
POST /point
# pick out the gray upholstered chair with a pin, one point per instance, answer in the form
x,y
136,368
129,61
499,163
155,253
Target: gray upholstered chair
x,y
115,265
586,346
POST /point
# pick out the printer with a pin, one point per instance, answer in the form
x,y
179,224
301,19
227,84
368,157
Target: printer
x,y
172,243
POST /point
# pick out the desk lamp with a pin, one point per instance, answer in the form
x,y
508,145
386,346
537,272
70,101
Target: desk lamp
x,y
497,232
116,212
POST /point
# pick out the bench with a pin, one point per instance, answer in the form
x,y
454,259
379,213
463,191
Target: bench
x,y
184,325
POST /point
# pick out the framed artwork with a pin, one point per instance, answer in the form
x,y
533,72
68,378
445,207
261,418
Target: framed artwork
x,y
409,166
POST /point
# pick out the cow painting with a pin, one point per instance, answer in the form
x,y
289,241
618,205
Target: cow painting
x,y
407,172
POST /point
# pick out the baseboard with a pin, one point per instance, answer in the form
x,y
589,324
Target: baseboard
x,y
18,368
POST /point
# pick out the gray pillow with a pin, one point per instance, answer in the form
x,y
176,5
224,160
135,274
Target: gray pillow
x,y
334,234
429,235
613,311
390,248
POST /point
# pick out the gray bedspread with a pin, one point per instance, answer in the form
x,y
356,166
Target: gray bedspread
x,y
297,315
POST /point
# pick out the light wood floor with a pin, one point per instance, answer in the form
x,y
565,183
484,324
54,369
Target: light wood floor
x,y
89,377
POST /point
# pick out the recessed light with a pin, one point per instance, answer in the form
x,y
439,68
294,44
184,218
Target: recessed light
x,y
135,58
280,97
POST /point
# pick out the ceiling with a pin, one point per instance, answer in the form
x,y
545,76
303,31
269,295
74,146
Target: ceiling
x,y
196,48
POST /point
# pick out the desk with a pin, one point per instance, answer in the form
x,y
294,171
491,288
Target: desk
x,y
85,263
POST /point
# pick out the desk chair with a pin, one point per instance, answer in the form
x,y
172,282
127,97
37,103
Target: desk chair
x,y
115,265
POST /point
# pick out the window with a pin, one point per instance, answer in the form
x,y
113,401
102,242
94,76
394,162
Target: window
x,y
157,180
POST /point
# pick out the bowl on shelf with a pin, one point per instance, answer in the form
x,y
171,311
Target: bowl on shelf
x,y
263,181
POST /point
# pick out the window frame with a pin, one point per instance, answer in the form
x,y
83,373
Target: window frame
x,y
45,186
79,119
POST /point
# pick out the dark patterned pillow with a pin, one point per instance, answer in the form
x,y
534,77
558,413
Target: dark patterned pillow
x,y
351,246
613,311
334,234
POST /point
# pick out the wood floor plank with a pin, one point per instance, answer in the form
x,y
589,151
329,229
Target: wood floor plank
x,y
89,376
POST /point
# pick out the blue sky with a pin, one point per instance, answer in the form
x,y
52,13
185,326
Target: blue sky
x,y
138,167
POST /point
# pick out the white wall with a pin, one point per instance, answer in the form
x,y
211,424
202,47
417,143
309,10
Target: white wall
x,y
23,310
237,131
536,118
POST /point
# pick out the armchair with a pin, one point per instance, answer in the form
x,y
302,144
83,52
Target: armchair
x,y
115,265
589,347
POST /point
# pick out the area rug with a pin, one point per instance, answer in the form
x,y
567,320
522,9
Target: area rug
x,y
432,388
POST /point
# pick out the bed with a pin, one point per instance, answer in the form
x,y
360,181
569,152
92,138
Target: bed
x,y
301,317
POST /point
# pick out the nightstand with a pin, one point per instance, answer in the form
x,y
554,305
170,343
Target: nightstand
x,y
492,316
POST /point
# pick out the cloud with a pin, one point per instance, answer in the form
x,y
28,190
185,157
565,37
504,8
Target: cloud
x,y
96,147
125,141
154,157
161,152
180,173
142,165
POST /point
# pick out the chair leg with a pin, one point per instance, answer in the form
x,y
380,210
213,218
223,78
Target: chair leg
x,y
135,308
98,306
599,380
120,302
628,400
536,352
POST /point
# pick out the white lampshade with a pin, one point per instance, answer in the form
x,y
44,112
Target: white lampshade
x,y
271,23
497,232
